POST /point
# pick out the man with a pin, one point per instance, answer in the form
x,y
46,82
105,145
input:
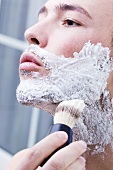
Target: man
x,y
64,27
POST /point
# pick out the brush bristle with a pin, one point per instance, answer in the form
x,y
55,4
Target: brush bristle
x,y
67,112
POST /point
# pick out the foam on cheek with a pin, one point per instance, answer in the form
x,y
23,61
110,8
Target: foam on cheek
x,y
82,77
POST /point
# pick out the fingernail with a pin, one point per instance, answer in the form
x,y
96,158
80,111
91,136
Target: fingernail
x,y
83,144
62,135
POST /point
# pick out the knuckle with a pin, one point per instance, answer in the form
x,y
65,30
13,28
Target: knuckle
x,y
57,164
34,153
78,149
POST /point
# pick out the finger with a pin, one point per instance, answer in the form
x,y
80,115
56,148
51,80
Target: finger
x,y
66,156
79,164
43,149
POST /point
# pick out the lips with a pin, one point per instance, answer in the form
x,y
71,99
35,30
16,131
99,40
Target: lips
x,y
30,62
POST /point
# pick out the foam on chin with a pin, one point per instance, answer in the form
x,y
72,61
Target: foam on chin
x,y
82,77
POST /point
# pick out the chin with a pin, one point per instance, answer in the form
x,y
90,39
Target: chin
x,y
39,93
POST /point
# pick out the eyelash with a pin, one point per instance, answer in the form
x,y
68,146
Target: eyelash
x,y
70,22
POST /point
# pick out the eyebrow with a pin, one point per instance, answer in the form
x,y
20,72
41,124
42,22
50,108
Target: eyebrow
x,y
67,7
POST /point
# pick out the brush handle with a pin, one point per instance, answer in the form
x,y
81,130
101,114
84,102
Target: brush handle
x,y
60,127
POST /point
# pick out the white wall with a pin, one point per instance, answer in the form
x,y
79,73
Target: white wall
x,y
5,158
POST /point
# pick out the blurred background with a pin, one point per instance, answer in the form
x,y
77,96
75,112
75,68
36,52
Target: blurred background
x,y
20,126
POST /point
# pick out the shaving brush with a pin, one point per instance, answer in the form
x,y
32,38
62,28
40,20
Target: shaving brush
x,y
66,115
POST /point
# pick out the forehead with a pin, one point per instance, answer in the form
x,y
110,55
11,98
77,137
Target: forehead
x,y
94,5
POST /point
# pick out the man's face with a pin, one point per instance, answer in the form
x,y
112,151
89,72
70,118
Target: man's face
x,y
63,28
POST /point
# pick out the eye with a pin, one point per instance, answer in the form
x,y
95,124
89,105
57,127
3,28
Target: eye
x,y
70,22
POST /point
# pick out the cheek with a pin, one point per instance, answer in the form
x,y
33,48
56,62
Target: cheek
x,y
69,42
66,42
67,45
70,45
68,48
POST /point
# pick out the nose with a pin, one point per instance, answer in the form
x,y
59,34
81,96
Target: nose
x,y
36,35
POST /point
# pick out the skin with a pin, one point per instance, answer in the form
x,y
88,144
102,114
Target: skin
x,y
63,36
30,159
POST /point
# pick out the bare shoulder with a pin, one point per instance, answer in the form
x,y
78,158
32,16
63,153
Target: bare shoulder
x,y
17,158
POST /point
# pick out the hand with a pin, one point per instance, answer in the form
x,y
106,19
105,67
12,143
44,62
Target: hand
x,y
68,158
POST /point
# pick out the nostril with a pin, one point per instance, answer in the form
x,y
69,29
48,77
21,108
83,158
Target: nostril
x,y
35,41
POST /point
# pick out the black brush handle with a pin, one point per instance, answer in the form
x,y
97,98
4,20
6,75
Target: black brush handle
x,y
59,127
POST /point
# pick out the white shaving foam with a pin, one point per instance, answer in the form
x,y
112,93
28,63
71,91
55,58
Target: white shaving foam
x,y
82,77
